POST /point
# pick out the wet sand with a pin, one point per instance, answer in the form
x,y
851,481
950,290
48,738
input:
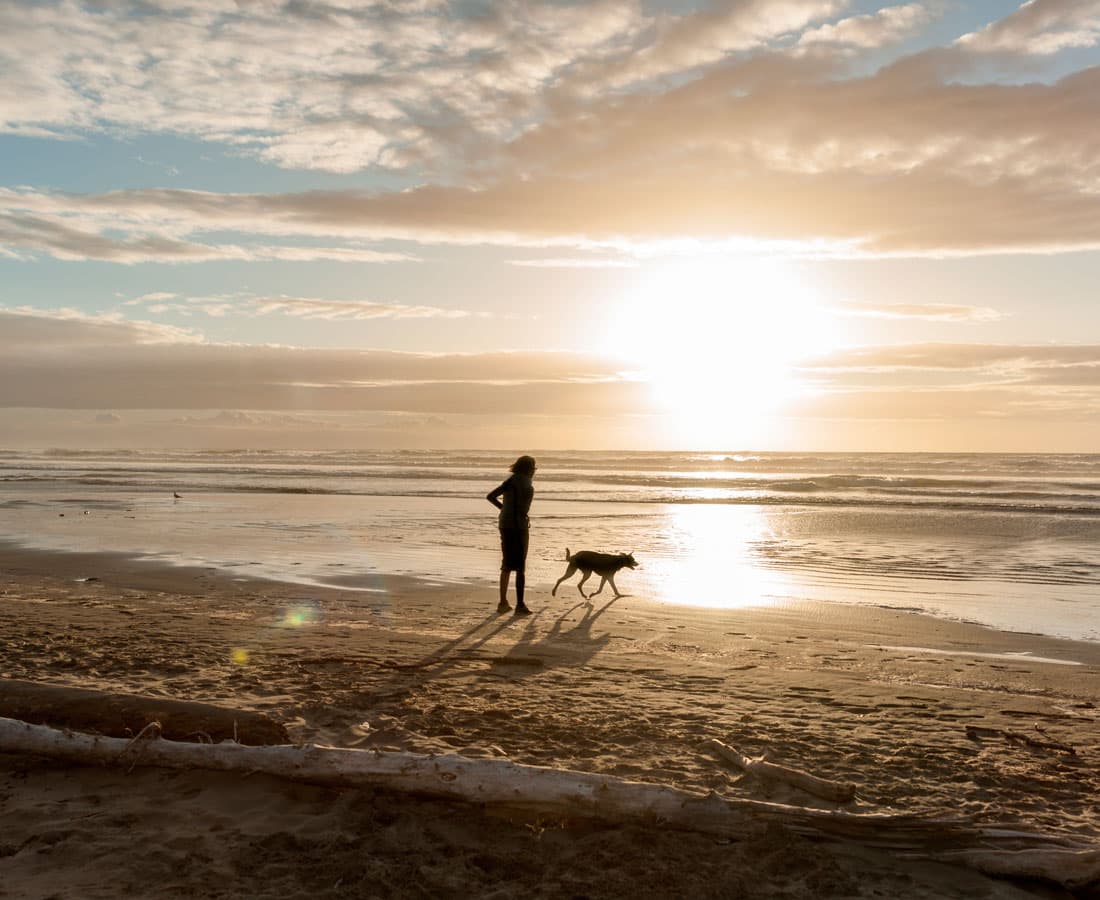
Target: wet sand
x,y
626,687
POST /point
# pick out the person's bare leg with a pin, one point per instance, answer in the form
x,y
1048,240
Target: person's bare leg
x,y
503,605
521,583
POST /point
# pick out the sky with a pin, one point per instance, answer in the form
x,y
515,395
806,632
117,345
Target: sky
x,y
737,224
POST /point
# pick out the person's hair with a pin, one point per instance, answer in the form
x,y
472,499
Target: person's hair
x,y
525,465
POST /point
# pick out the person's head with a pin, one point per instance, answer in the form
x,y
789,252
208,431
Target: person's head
x,y
525,465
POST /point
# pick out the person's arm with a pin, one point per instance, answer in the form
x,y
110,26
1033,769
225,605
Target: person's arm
x,y
496,493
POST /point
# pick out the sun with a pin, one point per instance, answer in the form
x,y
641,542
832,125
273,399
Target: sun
x,y
719,342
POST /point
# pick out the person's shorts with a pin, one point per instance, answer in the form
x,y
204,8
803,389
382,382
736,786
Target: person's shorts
x,y
513,549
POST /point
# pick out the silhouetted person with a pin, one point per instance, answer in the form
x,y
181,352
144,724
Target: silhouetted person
x,y
513,499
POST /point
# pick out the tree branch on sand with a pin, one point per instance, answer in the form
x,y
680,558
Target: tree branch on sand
x,y
569,794
836,791
976,733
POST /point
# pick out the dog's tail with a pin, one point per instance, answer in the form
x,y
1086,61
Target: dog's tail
x,y
568,555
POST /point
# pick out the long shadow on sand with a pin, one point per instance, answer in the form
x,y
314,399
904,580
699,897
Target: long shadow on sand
x,y
575,646
532,650
409,703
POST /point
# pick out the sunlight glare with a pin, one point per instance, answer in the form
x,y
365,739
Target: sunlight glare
x,y
712,558
719,341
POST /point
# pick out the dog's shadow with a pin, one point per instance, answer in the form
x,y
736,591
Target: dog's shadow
x,y
574,646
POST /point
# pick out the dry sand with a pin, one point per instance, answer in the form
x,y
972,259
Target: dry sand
x,y
875,696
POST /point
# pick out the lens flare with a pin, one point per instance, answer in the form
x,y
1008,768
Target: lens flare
x,y
239,656
299,616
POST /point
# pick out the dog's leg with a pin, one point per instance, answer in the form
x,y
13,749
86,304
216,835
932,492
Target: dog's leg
x,y
568,574
603,581
580,584
611,578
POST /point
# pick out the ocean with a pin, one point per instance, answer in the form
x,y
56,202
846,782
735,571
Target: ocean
x,y
1010,541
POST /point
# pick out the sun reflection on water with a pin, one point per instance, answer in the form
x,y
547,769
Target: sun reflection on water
x,y
709,558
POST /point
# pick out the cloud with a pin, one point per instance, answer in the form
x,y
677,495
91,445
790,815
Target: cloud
x,y
297,307
1042,377
312,308
312,254
962,356
935,312
27,329
247,421
252,423
529,124
64,241
704,37
1039,27
338,87
66,232
280,396
885,26
1086,375
107,363
575,263
961,389
228,429
972,404
887,164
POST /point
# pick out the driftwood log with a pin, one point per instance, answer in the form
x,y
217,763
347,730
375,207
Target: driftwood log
x,y
1059,859
1071,869
838,792
124,715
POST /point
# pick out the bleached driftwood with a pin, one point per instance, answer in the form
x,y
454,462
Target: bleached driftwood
x,y
554,792
1071,869
124,715
838,792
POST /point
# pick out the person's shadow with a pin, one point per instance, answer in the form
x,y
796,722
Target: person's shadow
x,y
460,649
560,645
532,650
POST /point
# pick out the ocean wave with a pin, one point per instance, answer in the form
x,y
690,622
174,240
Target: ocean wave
x,y
1031,502
1025,483
681,478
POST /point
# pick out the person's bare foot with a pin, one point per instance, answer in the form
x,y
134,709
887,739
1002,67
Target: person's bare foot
x,y
503,607
521,610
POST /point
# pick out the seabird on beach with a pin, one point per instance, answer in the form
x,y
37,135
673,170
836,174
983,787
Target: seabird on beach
x,y
177,496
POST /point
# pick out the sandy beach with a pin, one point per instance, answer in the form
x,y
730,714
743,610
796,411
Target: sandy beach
x,y
878,697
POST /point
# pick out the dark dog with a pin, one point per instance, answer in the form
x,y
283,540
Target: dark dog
x,y
603,564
